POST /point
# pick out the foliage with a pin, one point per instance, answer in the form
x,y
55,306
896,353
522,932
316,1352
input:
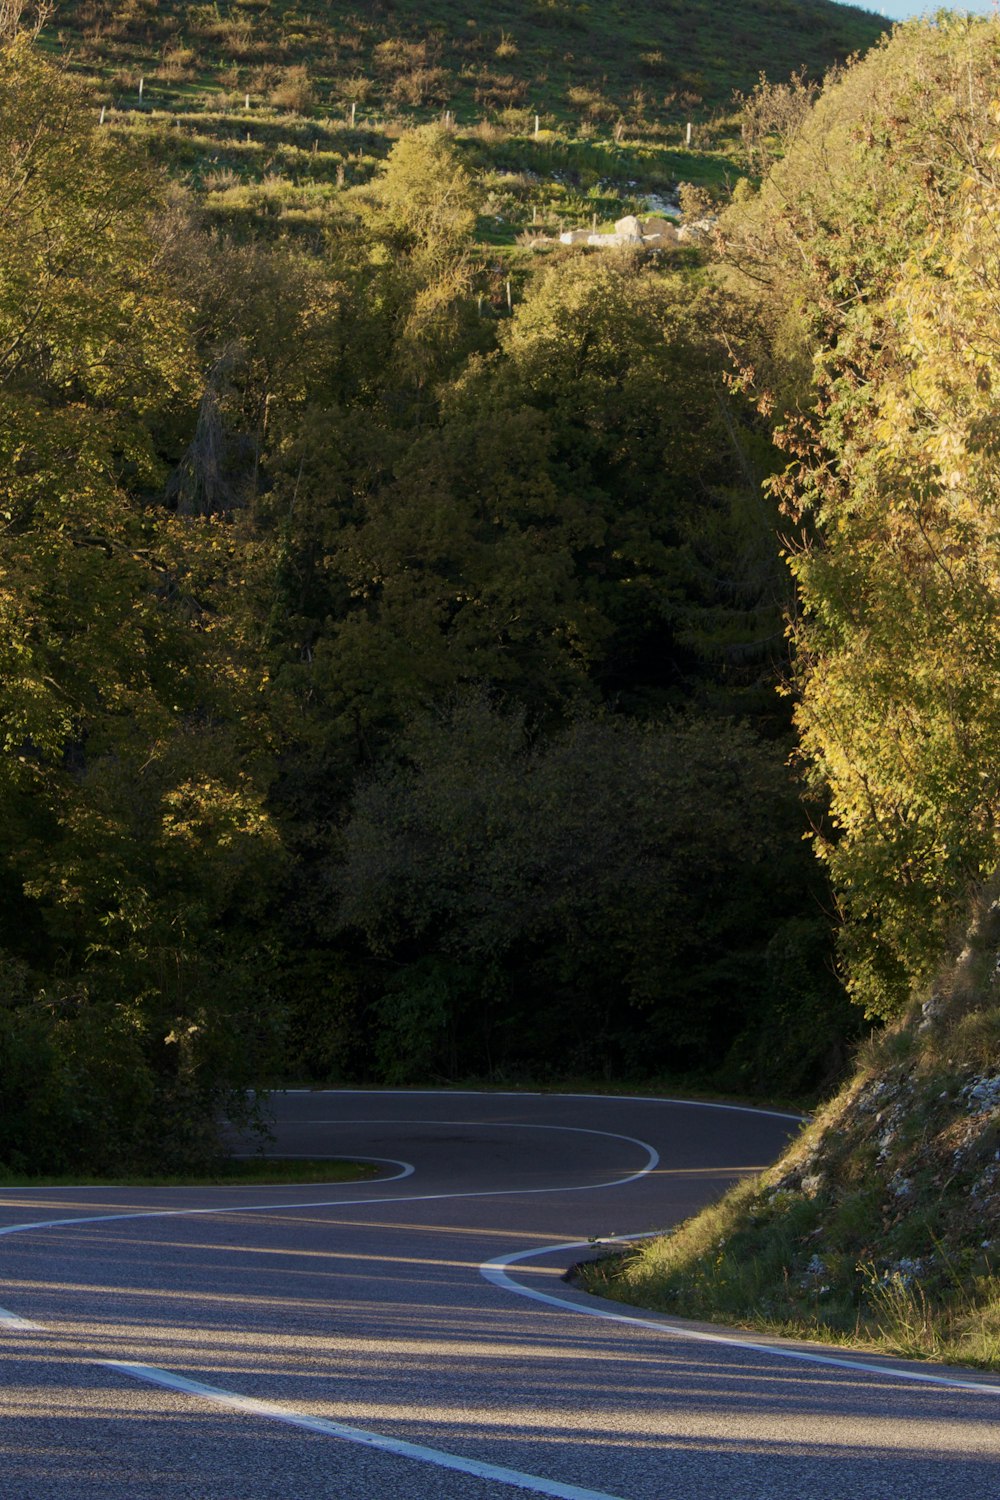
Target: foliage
x,y
871,249
134,831
380,617
599,890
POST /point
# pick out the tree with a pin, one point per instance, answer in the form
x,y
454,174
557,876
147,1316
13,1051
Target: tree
x,y
885,230
600,898
134,842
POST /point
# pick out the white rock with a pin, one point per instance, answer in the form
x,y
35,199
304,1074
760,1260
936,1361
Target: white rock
x,y
628,229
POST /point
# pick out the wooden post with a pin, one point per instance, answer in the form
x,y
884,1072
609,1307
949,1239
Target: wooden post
x,y
246,104
687,141
101,120
141,82
354,110
537,123
510,304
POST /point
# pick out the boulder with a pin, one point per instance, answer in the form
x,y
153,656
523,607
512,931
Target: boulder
x,y
628,230
658,227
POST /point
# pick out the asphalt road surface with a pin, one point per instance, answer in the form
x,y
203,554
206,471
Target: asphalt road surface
x,y
410,1337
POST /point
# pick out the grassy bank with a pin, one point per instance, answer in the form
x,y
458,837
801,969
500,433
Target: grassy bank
x,y
880,1227
252,1171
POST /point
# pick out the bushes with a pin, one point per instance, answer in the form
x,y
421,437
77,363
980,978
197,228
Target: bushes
x,y
600,898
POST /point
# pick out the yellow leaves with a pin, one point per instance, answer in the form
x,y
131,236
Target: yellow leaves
x,y
211,812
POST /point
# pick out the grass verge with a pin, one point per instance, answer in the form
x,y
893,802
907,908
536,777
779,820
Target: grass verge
x,y
707,1271
879,1229
233,1172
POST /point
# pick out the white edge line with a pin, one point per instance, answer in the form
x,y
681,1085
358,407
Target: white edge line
x,y
745,1109
251,1406
174,1187
25,1325
652,1161
495,1271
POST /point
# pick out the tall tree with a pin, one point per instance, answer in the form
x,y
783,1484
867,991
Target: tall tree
x,y
873,242
133,832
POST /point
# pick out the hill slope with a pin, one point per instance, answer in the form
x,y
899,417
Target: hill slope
x,y
652,59
881,1225
567,114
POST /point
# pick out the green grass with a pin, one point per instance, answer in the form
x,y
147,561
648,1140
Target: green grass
x,y
649,61
232,1172
880,1226
613,88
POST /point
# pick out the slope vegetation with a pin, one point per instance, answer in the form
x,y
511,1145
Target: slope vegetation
x,y
876,291
579,62
570,114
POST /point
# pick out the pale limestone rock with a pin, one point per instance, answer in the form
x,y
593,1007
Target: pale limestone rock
x,y
628,230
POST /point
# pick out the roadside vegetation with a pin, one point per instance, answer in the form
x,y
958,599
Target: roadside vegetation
x,y
229,1171
876,289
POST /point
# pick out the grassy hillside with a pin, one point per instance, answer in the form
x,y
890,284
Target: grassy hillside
x,y
652,60
569,113
881,1225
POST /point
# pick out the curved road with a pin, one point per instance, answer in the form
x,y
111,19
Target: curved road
x,y
410,1337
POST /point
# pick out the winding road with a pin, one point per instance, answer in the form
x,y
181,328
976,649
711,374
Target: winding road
x,y
411,1337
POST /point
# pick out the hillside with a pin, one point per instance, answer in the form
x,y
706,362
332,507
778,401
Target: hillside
x,y
651,60
568,113
881,1225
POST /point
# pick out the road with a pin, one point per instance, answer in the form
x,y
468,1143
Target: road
x,y
411,1337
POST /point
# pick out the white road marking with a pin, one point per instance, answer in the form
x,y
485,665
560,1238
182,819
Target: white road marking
x,y
495,1271
743,1109
250,1406
104,1187
11,1320
652,1161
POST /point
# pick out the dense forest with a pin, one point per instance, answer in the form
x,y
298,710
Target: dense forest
x,y
405,679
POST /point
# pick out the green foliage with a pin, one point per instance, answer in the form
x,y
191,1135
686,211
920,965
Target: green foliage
x,y
134,840
603,889
377,620
871,248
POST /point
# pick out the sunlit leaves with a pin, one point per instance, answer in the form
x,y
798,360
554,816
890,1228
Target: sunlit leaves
x,y
887,231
